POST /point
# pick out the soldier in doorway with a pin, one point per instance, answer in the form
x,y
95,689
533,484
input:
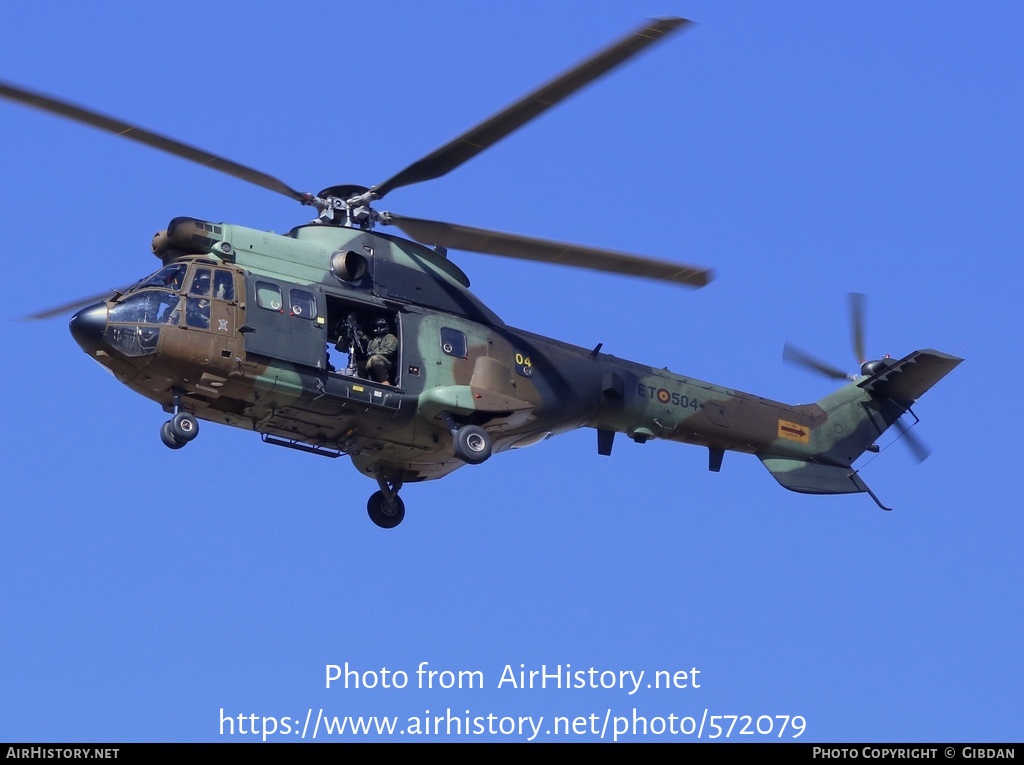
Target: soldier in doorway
x,y
381,352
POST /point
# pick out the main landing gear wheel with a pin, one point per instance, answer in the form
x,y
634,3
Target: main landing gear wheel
x,y
184,426
384,512
167,436
472,444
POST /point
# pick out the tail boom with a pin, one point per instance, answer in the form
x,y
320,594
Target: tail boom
x,y
808,448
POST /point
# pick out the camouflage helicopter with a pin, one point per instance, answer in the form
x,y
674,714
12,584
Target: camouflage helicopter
x,y
238,325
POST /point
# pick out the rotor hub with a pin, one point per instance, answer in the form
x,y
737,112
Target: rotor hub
x,y
347,205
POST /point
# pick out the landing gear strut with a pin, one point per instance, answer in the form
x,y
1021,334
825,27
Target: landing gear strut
x,y
472,443
385,507
181,428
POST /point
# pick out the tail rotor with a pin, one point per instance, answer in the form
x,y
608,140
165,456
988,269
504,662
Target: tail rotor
x,y
868,368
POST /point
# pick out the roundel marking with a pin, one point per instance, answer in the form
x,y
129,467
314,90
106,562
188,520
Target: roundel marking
x,y
663,395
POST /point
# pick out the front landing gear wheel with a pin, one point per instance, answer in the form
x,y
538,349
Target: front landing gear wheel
x,y
168,437
385,513
184,426
472,444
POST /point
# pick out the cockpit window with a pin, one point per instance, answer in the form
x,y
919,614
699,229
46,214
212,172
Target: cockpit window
x,y
197,312
223,285
133,340
150,307
170,278
200,283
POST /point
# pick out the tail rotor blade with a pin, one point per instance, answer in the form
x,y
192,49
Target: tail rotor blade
x,y
916,445
857,325
794,355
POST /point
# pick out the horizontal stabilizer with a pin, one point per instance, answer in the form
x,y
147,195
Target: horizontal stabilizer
x,y
808,477
909,378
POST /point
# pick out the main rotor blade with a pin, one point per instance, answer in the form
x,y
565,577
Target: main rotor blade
x,y
492,130
857,325
545,251
794,355
49,313
155,140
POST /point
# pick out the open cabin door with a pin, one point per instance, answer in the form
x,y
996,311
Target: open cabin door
x,y
367,341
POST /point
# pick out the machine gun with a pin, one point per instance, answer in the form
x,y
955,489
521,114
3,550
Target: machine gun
x,y
355,342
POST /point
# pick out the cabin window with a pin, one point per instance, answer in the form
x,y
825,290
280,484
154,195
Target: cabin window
x,y
453,342
268,296
303,304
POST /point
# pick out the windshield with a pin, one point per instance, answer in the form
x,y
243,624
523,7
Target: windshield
x,y
150,307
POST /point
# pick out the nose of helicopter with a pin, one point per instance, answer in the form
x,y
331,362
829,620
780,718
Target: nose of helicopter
x,y
88,325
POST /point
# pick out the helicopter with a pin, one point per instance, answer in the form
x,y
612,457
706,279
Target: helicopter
x,y
238,326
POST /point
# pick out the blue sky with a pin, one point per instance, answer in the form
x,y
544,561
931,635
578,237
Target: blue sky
x,y
803,150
